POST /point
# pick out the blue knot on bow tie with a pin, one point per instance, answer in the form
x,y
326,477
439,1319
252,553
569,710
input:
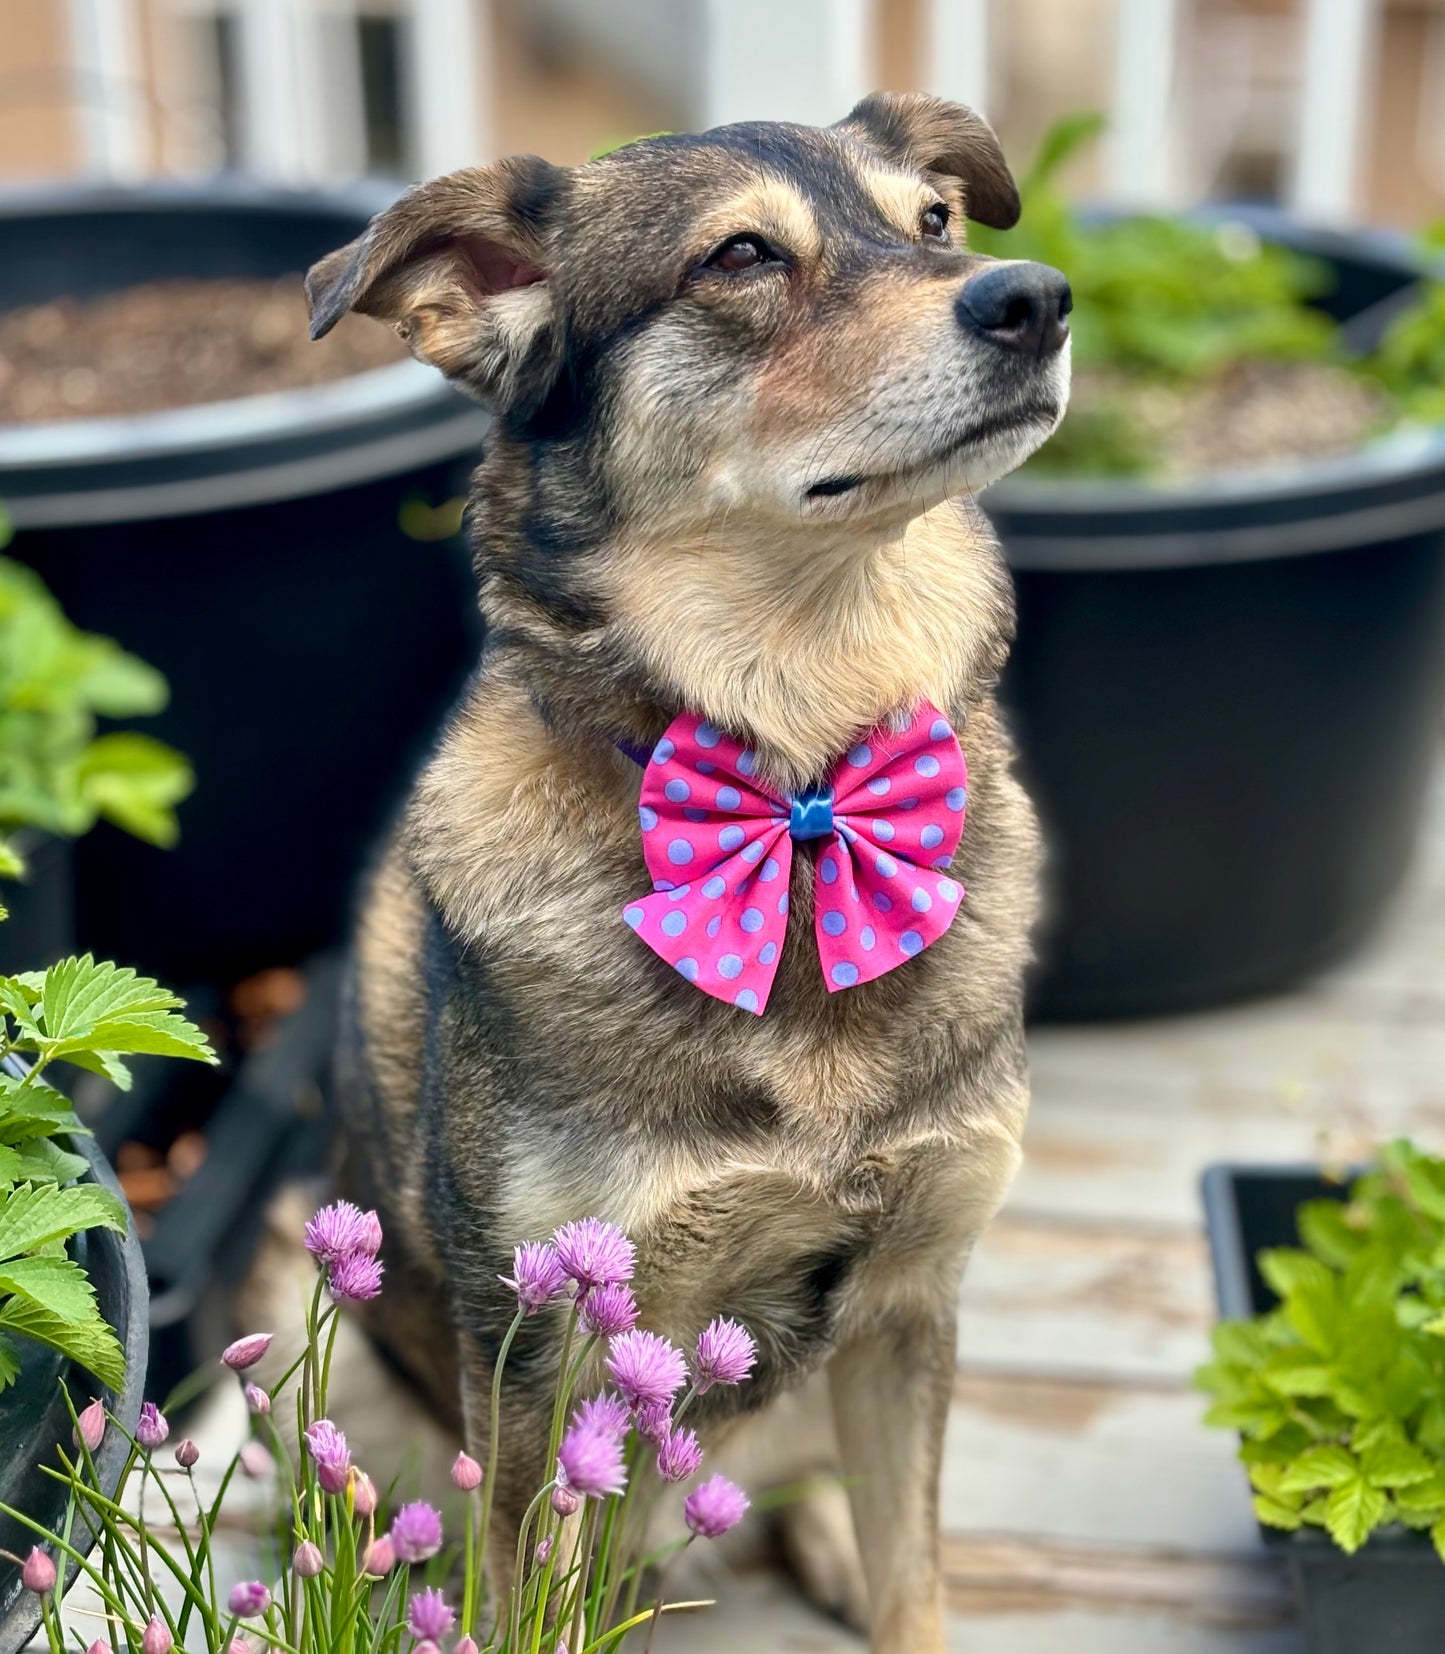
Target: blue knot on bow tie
x,y
811,815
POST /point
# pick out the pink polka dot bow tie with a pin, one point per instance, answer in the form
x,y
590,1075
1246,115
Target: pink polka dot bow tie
x,y
720,850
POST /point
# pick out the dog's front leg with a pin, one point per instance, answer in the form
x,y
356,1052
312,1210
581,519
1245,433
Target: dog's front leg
x,y
891,1387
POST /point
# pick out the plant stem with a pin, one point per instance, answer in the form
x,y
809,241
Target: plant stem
x,y
489,1476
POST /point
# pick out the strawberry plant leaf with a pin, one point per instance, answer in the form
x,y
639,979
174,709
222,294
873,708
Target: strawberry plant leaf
x,y
90,1342
1327,1466
1354,1510
35,1215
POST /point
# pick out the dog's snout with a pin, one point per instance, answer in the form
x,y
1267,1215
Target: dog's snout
x,y
1020,306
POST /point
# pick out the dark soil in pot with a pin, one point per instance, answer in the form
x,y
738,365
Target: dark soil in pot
x,y
1227,692
34,1420
1389,1596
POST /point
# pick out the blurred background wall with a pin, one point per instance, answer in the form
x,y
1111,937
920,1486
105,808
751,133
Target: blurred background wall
x,y
1335,107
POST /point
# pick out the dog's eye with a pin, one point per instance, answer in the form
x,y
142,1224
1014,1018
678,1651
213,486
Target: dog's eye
x,y
739,253
933,226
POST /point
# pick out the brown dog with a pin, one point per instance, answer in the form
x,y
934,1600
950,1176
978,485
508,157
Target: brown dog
x,y
738,380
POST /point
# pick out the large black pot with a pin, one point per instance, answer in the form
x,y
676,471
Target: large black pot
x,y
34,1421
1228,696
252,551
1389,1598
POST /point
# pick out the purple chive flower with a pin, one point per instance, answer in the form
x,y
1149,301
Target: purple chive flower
x,y
38,1572
654,1421
464,1645
416,1532
363,1494
645,1368
537,1275
608,1413
466,1473
156,1638
356,1277
679,1456
256,1462
238,1645
428,1617
99,1646
257,1399
713,1508
187,1453
380,1558
370,1233
565,1502
590,1462
152,1429
725,1354
609,1311
543,1551
307,1560
327,1447
246,1352
427,1647
248,1599
595,1253
90,1424
337,1231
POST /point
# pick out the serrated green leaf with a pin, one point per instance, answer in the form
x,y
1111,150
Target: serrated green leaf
x,y
1376,1433
1312,1310
1297,1372
1355,1509
1437,1538
106,1064
1239,1343
35,1215
44,1161
12,1166
1326,1466
58,1285
1315,1513
1396,1465
1424,1496
9,1364
1326,1231
91,1342
1269,1479
1275,1515
1286,1269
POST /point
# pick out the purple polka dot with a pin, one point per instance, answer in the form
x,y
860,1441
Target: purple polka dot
x,y
673,924
663,751
955,798
767,953
828,870
730,966
922,901
647,818
714,925
747,1000
752,919
707,735
908,804
694,814
728,798
866,938
687,967
714,888
949,890
931,836
941,864
845,973
885,864
861,756
663,884
911,942
753,851
878,785
677,892
730,838
884,830
634,916
704,766
679,852
926,764
783,902
769,871
747,762
678,790
941,729
834,922
883,903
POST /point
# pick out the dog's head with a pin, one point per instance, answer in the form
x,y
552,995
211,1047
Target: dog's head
x,y
769,322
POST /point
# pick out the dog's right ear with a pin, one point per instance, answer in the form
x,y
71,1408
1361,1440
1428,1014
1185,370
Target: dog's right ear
x,y
459,264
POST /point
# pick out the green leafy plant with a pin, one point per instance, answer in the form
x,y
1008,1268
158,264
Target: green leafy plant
x,y
1156,300
56,773
1339,1393
1410,358
93,1016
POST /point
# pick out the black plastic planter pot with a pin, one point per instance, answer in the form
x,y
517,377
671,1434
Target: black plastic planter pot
x,y
1389,1598
33,1417
1227,695
252,551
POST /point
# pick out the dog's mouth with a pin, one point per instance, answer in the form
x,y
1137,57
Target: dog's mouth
x,y
1035,413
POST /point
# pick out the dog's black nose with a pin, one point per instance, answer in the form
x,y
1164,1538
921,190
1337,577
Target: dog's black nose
x,y
1021,306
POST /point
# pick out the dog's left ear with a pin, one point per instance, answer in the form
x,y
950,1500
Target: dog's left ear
x,y
459,264
937,136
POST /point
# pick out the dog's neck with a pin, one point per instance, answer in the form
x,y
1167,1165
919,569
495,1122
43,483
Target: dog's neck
x,y
794,649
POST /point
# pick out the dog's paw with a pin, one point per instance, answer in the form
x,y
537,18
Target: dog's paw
x,y
815,1535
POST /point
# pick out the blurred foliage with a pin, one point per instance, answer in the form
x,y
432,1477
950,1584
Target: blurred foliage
x,y
1410,359
1156,299
56,773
